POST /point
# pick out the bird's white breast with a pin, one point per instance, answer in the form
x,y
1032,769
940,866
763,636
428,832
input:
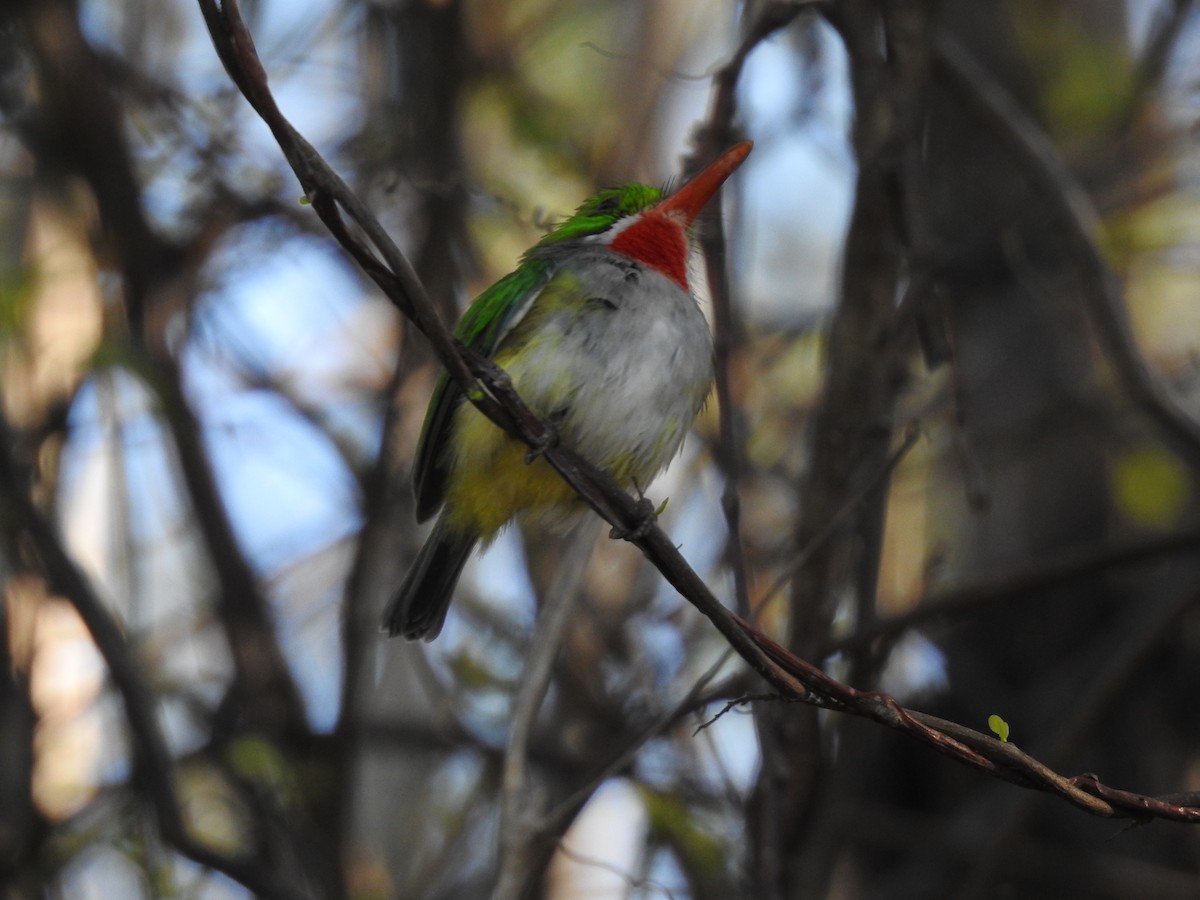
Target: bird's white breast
x,y
621,368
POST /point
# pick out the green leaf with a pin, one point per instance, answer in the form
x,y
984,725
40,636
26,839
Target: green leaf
x,y
259,761
999,726
472,672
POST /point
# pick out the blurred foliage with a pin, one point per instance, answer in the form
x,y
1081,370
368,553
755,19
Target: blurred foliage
x,y
673,822
1085,67
1151,487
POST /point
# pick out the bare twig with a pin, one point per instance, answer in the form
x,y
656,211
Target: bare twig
x,y
980,751
379,256
644,885
558,818
1130,644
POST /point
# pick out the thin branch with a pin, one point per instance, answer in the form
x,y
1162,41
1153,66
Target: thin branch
x,y
980,751
1131,641
522,839
326,190
839,519
719,132
558,818
956,602
643,885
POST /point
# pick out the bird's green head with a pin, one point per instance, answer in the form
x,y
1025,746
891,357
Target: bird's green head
x,y
601,212
639,222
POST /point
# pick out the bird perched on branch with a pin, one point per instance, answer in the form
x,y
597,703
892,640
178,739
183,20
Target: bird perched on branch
x,y
603,340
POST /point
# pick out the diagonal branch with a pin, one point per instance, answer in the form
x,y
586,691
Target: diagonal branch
x,y
980,751
490,389
483,383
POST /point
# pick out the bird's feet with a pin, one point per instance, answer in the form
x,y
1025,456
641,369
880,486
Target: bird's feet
x,y
547,441
645,519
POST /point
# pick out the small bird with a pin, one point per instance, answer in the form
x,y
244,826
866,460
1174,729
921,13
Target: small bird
x,y
601,336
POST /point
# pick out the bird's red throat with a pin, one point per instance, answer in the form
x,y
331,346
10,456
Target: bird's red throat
x,y
659,242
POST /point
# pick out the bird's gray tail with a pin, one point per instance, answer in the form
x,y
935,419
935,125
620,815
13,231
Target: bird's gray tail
x,y
418,608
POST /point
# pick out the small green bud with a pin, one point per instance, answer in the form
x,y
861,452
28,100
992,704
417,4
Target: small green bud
x,y
999,726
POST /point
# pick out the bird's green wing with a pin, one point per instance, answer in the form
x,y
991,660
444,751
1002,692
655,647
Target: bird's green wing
x,y
485,323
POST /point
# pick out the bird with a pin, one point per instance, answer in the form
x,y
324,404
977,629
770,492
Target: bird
x,y
601,336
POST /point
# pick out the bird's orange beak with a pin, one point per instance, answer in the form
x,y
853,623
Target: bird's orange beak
x,y
687,202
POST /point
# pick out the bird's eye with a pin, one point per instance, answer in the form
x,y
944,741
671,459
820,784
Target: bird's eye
x,y
607,205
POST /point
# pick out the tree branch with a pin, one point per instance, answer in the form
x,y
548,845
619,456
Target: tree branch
x,y
490,389
78,113
1102,291
718,133
151,756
